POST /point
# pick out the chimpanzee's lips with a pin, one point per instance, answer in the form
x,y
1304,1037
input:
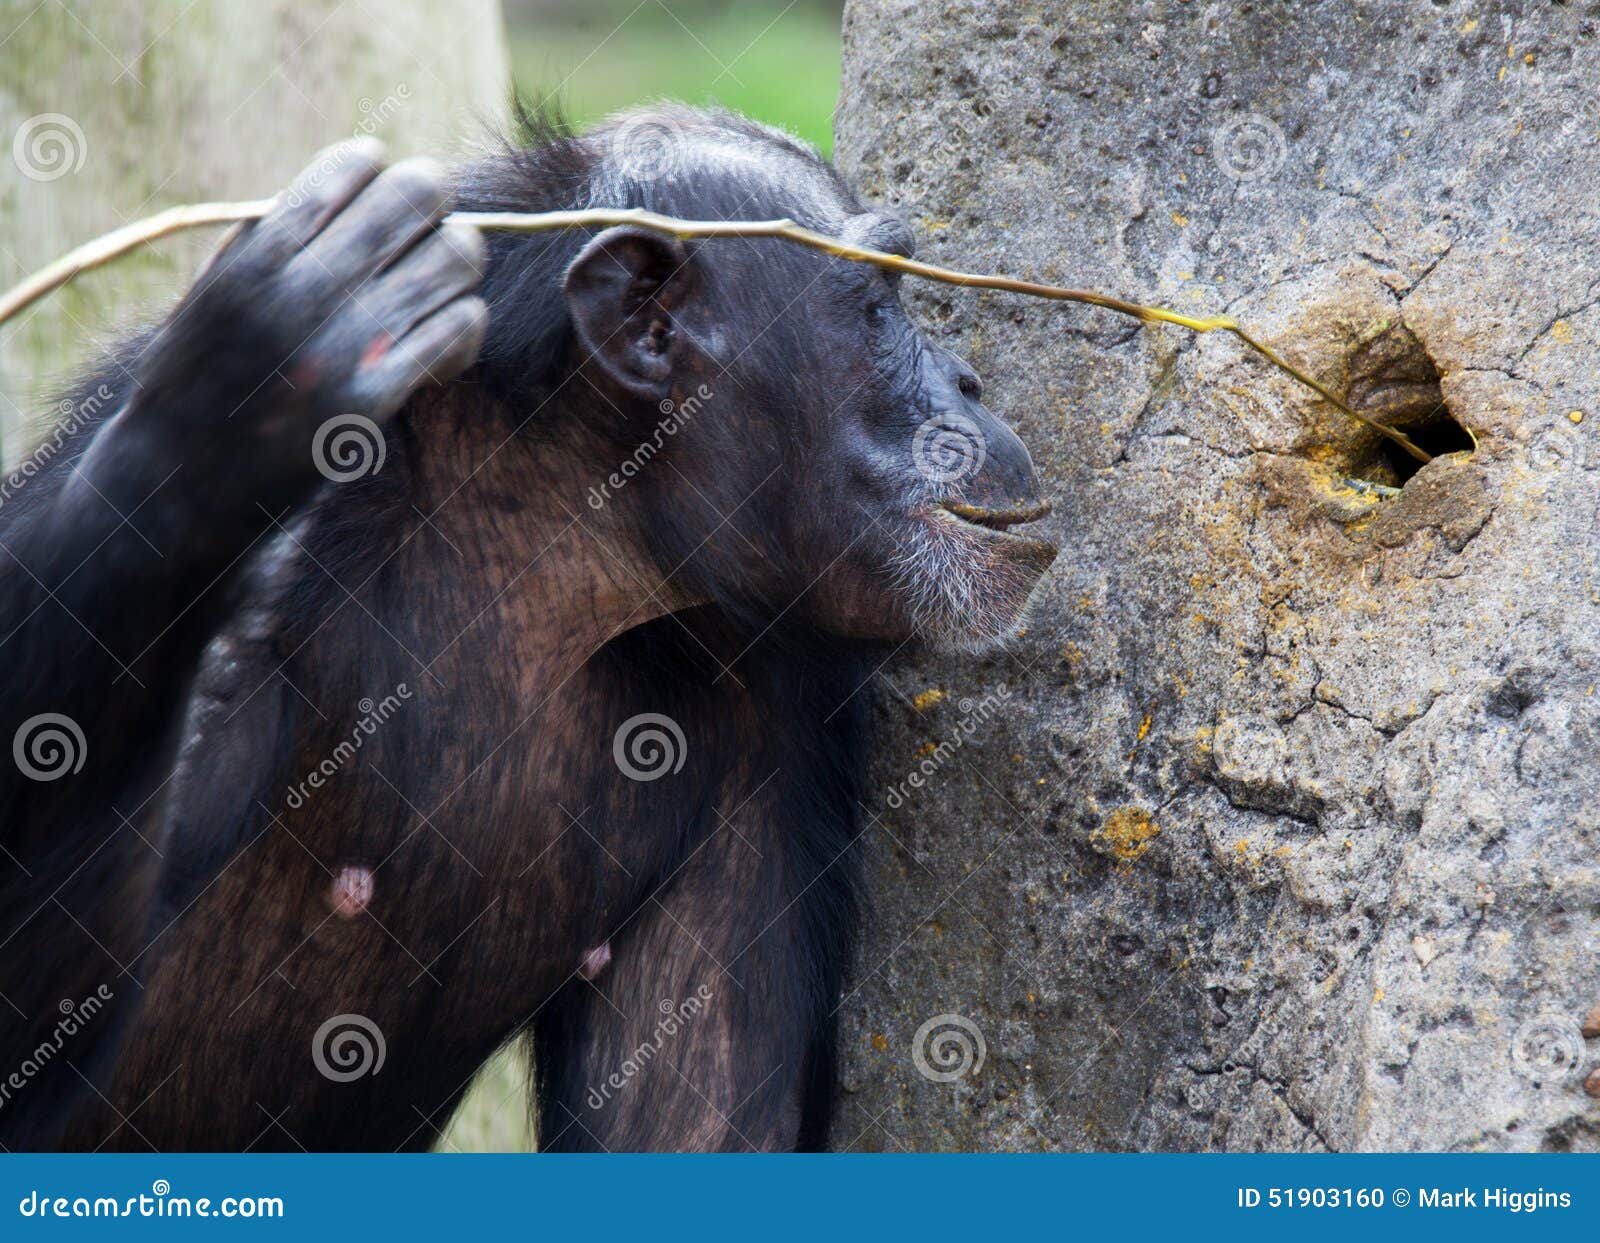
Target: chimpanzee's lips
x,y
996,519
997,524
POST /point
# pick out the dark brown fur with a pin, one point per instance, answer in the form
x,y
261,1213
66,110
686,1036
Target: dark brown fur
x,y
502,842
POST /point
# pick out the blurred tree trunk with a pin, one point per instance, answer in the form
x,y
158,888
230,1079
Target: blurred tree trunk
x,y
1279,827
112,112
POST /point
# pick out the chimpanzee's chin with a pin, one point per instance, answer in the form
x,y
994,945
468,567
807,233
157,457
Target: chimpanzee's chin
x,y
965,586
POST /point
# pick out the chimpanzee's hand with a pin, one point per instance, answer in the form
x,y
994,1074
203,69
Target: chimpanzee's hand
x,y
330,310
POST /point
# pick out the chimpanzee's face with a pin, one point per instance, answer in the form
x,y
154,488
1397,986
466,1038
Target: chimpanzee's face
x,y
913,485
826,456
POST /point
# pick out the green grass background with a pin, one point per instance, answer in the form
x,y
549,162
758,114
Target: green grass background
x,y
776,61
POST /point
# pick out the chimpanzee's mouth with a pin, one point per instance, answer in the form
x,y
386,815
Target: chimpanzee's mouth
x,y
999,520
995,525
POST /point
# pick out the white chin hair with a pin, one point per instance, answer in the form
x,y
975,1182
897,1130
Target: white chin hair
x,y
960,594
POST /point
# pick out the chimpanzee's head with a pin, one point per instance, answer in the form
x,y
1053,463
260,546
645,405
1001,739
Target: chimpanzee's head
x,y
791,441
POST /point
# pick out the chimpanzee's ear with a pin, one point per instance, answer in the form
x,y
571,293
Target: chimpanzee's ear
x,y
622,292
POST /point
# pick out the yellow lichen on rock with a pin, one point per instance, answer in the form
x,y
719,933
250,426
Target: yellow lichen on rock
x,y
1125,834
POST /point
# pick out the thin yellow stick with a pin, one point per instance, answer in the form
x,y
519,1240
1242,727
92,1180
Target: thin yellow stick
x,y
130,237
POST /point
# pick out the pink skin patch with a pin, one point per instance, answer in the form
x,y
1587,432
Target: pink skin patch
x,y
376,349
595,961
351,891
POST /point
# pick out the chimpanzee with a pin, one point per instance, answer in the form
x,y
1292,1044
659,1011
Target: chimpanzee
x,y
428,638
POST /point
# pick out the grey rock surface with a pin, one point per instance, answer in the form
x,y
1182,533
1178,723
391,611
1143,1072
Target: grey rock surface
x,y
1278,829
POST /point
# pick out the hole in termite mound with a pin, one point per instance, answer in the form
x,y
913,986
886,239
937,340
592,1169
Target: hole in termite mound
x,y
1392,381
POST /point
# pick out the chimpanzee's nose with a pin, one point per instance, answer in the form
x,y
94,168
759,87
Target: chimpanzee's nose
x,y
1005,483
989,473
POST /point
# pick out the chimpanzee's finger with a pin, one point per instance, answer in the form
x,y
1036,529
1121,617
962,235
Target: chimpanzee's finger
x,y
440,348
435,271
401,204
322,190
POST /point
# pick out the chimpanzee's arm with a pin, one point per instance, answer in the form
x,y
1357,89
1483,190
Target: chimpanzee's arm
x,y
117,564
